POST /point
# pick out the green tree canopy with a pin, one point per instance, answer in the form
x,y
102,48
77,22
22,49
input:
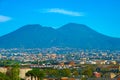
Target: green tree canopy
x,y
13,72
3,76
65,73
36,73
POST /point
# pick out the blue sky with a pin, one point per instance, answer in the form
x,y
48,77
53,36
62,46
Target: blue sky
x,y
101,15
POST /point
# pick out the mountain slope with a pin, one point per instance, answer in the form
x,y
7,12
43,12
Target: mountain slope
x,y
28,36
78,35
69,35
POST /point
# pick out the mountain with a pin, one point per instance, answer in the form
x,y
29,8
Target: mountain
x,y
70,35
28,36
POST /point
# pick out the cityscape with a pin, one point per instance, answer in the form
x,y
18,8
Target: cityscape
x,y
104,64
61,55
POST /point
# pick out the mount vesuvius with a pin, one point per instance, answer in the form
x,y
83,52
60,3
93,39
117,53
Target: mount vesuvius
x,y
70,35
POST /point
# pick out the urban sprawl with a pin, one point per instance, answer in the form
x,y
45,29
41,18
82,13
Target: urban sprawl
x,y
63,63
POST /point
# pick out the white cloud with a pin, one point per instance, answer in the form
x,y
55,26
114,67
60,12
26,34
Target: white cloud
x,y
63,11
4,18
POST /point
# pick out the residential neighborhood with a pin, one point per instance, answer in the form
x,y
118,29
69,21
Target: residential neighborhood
x,y
86,64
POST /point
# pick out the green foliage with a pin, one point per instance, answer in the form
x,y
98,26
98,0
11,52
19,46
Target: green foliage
x,y
13,72
30,74
104,70
83,78
3,77
87,72
36,73
65,73
52,73
76,73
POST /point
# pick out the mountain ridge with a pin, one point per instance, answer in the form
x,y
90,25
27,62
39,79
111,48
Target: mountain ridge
x,y
69,35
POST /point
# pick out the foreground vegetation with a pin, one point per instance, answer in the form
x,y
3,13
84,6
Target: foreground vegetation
x,y
11,74
83,72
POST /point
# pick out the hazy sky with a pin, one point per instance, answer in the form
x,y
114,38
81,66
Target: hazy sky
x,y
101,15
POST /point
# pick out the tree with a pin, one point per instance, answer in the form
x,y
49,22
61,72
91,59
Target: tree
x,y
13,72
65,73
40,74
52,73
76,73
3,76
30,74
104,71
83,78
36,73
87,72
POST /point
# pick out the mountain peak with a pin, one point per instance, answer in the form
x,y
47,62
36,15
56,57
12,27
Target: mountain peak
x,y
74,24
74,27
31,26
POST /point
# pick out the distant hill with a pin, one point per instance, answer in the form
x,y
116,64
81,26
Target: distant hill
x,y
70,35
